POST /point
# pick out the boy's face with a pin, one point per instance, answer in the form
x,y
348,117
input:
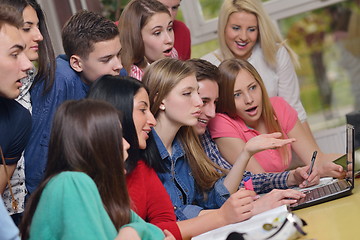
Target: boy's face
x,y
209,93
172,6
13,62
105,59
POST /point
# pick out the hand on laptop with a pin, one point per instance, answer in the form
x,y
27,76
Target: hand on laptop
x,y
299,177
276,198
330,169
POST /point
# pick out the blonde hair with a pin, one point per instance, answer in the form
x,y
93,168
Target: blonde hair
x,y
229,69
161,77
269,36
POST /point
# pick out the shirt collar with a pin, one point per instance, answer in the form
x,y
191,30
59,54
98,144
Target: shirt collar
x,y
177,148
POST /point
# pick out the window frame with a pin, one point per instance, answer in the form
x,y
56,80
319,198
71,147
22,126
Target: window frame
x,y
205,30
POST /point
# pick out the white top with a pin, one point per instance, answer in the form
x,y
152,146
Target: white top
x,y
281,81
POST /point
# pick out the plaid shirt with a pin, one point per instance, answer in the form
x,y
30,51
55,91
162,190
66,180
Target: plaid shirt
x,y
263,182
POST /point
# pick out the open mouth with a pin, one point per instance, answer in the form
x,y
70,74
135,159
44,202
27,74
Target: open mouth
x,y
251,109
18,82
147,131
167,51
241,44
203,121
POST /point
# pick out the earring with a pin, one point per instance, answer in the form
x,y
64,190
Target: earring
x,y
162,107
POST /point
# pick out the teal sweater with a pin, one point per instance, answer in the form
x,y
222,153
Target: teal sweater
x,y
70,207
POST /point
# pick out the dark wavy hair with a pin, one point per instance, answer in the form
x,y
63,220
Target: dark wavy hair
x,y
86,137
46,61
120,91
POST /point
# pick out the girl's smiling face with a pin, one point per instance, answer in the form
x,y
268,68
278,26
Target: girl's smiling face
x,y
126,147
158,37
142,117
248,98
241,34
31,34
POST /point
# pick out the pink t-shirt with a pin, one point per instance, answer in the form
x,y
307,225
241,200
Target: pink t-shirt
x,y
224,126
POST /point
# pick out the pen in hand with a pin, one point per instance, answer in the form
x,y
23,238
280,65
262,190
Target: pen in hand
x,y
311,165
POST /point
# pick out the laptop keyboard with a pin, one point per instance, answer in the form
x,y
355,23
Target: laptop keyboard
x,y
324,191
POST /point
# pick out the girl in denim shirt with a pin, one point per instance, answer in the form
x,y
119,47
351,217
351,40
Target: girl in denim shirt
x,y
191,179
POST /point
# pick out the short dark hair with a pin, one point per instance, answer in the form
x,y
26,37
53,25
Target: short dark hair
x,y
84,29
119,91
205,70
9,15
46,61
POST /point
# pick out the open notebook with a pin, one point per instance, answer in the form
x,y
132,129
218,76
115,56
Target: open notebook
x,y
335,188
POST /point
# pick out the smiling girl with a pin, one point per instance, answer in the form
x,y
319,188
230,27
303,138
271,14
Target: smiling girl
x,y
83,194
148,197
246,31
146,35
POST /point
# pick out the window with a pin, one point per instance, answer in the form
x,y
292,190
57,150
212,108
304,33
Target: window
x,y
327,43
328,69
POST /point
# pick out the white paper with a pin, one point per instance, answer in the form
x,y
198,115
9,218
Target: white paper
x,y
253,226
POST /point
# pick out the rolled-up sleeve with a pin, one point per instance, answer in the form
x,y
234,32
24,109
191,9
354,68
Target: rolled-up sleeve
x,y
265,182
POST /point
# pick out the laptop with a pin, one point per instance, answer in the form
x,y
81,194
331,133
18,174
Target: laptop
x,y
336,188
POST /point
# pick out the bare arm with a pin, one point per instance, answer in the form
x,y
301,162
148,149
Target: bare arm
x,y
231,148
305,146
3,179
308,132
254,145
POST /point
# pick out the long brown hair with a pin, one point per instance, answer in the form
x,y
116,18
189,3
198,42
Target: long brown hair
x,y
135,16
161,77
87,137
229,69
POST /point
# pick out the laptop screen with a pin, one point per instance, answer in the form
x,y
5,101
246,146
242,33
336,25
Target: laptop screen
x,y
347,160
350,153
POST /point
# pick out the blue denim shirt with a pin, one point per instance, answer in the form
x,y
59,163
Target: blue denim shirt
x,y
178,181
67,86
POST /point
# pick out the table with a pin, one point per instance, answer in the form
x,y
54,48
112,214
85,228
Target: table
x,y
334,220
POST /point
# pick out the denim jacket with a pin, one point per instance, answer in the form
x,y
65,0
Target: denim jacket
x,y
67,86
178,181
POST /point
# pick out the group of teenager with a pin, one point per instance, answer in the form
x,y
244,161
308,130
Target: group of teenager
x,y
119,138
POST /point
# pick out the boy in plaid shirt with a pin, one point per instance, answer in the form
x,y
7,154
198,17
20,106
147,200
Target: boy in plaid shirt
x,y
207,75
